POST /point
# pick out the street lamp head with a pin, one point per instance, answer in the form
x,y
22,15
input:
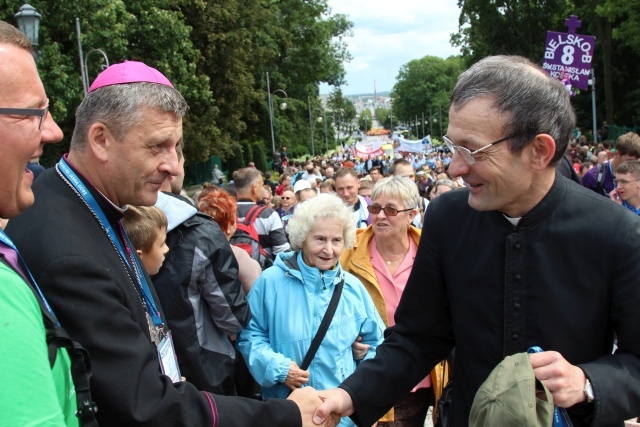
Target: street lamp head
x,y
319,119
28,20
283,106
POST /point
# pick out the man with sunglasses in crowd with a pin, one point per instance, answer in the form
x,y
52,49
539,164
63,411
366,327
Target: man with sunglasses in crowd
x,y
498,269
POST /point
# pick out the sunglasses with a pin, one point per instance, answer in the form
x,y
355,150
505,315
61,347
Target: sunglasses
x,y
286,198
388,210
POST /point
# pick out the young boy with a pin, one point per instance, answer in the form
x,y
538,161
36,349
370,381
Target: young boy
x,y
146,227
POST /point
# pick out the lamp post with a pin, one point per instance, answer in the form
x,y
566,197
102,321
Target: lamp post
x,y
28,20
320,119
430,123
326,142
391,120
83,59
282,107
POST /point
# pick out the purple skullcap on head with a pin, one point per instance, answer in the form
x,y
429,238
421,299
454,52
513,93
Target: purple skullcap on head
x,y
129,72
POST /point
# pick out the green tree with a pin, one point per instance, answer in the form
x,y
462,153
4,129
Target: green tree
x,y
424,85
365,120
152,31
259,156
492,27
487,27
627,15
215,52
300,44
382,115
341,110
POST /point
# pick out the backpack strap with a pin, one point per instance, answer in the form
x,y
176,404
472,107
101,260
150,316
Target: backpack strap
x,y
80,372
324,326
80,363
253,214
602,171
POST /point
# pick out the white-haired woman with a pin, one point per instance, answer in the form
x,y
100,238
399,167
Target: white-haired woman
x,y
382,257
289,300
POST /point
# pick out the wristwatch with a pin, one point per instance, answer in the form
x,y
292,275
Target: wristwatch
x,y
588,391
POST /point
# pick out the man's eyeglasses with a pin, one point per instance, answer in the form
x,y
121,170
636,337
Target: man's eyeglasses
x,y
468,155
388,210
38,112
624,181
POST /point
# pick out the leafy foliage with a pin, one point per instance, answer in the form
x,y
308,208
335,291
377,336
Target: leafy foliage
x,y
516,27
365,121
216,52
424,85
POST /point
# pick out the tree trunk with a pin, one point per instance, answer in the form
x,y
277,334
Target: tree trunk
x,y
605,35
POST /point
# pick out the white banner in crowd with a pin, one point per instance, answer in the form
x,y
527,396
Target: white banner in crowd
x,y
368,149
421,146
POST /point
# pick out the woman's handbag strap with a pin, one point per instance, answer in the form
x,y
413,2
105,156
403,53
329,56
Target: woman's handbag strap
x,y
324,326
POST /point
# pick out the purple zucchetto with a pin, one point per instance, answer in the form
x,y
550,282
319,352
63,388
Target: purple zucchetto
x,y
129,72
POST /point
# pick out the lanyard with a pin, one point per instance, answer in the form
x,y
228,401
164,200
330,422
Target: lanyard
x,y
7,241
131,260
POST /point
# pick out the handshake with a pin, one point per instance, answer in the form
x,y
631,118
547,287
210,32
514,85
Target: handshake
x,y
322,408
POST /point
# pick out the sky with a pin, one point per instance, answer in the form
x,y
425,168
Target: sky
x,y
388,34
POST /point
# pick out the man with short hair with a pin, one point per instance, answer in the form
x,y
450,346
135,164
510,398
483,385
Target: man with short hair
x,y
122,150
627,192
602,157
366,188
329,173
375,174
600,178
498,270
306,194
267,196
249,186
217,175
402,167
347,185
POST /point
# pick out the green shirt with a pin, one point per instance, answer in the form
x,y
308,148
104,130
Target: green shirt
x,y
31,392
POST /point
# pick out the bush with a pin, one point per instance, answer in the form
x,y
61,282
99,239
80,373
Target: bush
x,y
235,161
260,156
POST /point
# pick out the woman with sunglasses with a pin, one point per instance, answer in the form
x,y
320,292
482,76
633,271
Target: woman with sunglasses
x,y
381,258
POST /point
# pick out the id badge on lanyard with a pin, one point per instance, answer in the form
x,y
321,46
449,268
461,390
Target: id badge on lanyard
x,y
167,358
161,339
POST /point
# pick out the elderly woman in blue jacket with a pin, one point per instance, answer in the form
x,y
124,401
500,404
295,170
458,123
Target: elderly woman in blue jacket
x,y
289,300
